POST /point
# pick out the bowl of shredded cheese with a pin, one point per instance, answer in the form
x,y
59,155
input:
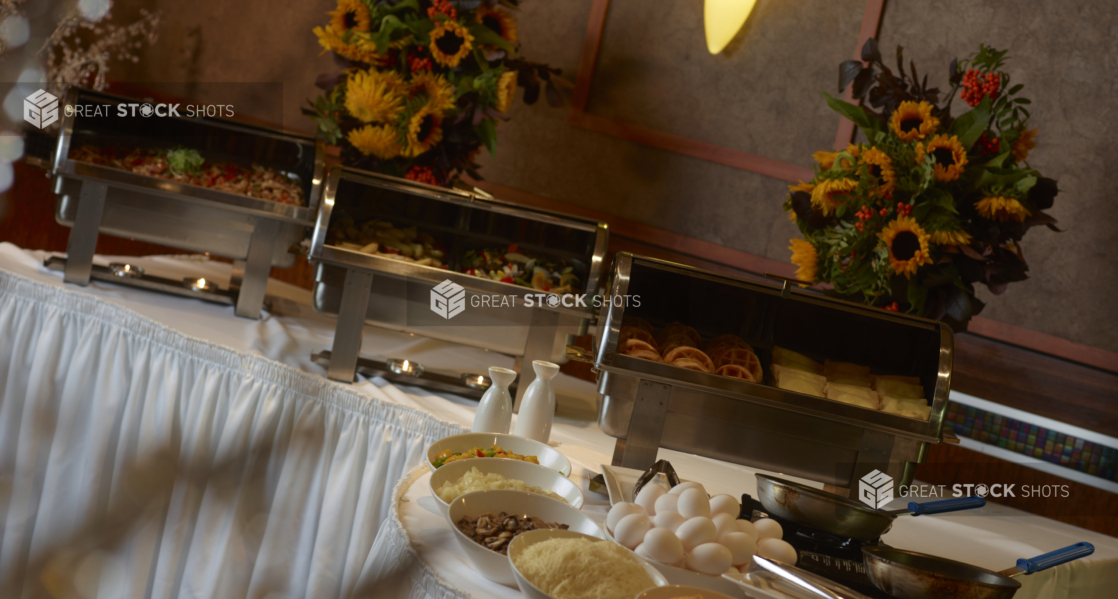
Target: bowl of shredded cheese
x,y
477,447
466,476
563,564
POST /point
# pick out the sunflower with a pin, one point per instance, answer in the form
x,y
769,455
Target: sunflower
x,y
1002,208
956,237
381,141
374,96
499,20
949,154
424,131
361,50
350,14
823,196
907,243
439,92
450,43
506,90
912,121
801,186
805,256
880,166
826,160
1024,143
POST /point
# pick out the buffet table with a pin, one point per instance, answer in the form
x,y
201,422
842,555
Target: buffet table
x,y
98,379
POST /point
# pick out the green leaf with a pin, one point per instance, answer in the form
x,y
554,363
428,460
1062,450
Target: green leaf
x,y
1023,101
917,296
1016,88
183,161
487,132
856,114
1024,185
970,125
485,35
389,25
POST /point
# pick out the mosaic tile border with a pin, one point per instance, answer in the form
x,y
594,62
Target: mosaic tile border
x,y
1033,441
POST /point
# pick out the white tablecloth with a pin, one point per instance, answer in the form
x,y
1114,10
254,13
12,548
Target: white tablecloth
x,y
94,379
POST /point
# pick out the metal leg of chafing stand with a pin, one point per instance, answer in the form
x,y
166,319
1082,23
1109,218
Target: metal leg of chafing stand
x,y
541,340
873,454
642,442
83,235
258,264
351,325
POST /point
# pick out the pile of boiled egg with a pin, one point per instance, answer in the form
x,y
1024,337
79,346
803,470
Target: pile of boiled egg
x,y
682,527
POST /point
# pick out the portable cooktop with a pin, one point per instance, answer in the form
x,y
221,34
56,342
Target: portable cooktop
x,y
831,556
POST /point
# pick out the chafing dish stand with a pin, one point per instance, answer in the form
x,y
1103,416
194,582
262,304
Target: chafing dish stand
x,y
256,234
647,405
401,296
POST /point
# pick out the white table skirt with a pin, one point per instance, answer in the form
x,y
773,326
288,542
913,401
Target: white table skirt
x,y
212,387
91,390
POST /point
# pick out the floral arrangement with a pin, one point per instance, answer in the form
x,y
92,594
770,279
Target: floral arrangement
x,y
423,83
930,204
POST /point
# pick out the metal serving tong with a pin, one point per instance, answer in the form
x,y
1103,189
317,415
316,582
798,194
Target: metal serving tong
x,y
661,467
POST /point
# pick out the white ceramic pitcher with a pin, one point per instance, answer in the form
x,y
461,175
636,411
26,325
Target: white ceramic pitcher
x,y
494,411
537,409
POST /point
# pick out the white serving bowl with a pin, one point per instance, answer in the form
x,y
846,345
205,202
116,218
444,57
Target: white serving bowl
x,y
531,538
672,591
681,576
518,445
533,474
493,565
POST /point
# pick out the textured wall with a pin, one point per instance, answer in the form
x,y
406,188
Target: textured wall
x,y
761,96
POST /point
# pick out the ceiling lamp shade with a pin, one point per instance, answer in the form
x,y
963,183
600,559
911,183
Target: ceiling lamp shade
x,y
723,19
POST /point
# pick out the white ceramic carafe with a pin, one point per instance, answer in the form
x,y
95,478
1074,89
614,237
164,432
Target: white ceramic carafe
x,y
537,409
494,411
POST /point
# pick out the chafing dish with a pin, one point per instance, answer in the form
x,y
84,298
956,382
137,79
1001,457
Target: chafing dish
x,y
647,405
402,293
256,234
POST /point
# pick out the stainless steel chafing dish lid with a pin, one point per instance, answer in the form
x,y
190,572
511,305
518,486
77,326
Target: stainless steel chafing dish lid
x,y
298,157
767,315
461,220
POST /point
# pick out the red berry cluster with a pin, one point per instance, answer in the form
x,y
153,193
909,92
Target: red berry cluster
x,y
864,213
988,145
904,209
422,174
418,63
978,85
442,7
893,307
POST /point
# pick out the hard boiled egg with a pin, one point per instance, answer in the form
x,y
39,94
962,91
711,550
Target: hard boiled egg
x,y
709,558
631,529
668,520
777,550
663,546
695,532
648,496
619,511
747,527
693,503
767,528
741,546
724,504
681,487
667,503
724,523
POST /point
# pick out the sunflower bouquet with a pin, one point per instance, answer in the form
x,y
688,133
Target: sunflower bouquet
x,y
929,204
422,83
